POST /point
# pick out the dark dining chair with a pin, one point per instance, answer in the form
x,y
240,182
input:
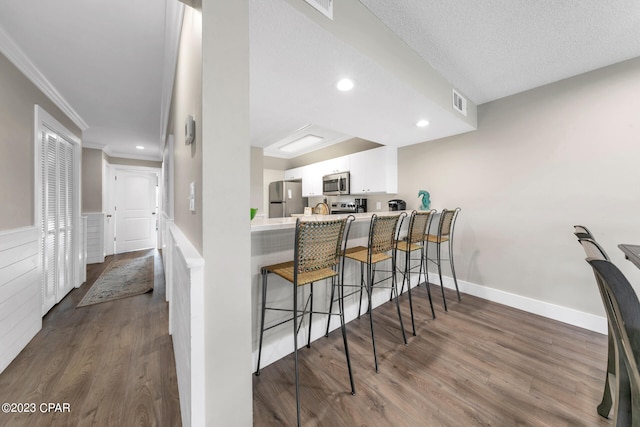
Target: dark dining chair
x,y
594,251
623,314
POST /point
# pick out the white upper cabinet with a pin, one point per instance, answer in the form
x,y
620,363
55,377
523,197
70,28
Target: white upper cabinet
x,y
374,171
312,180
292,174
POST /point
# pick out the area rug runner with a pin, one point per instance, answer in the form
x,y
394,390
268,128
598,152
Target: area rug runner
x,y
123,278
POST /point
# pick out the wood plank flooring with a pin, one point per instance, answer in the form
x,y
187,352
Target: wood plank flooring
x,y
111,362
480,364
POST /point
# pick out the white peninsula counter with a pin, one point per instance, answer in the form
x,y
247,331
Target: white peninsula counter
x,y
272,241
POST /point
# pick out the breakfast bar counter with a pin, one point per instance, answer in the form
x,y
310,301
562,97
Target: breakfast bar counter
x,y
272,242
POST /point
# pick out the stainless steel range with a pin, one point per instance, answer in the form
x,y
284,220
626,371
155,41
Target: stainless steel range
x,y
360,205
343,207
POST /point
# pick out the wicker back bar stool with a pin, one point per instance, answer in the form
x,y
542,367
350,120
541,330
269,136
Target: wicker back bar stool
x,y
317,253
445,235
418,225
381,246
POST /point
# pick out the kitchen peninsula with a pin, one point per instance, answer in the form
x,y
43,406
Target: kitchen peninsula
x,y
272,241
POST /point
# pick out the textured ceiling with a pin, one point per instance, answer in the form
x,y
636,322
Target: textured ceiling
x,y
495,48
106,60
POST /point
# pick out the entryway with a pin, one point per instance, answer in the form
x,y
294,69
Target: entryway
x,y
133,225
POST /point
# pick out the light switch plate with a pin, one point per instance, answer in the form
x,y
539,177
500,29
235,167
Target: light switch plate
x,y
192,196
378,205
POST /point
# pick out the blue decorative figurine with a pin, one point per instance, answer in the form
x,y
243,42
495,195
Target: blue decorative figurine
x,y
425,200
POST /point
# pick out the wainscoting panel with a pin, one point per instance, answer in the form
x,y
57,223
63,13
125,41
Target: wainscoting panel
x,y
95,237
184,278
20,311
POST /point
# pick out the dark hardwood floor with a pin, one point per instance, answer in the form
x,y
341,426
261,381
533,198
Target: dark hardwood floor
x,y
480,364
111,362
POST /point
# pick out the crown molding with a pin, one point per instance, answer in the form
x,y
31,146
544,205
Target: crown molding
x,y
18,58
174,13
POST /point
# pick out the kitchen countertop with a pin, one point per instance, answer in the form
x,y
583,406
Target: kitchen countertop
x,y
267,224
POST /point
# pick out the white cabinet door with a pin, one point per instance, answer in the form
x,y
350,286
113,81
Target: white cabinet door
x,y
358,175
311,180
291,174
339,164
374,171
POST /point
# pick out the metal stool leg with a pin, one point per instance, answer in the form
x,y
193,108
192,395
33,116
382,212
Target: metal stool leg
x,y
264,304
424,263
444,300
362,285
370,277
453,270
333,287
310,314
407,268
344,336
394,285
295,345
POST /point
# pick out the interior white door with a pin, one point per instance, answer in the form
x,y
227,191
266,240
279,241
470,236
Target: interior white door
x,y
58,184
136,210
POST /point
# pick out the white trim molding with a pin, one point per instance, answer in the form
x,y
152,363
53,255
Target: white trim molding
x,y
184,278
18,58
20,317
530,305
174,13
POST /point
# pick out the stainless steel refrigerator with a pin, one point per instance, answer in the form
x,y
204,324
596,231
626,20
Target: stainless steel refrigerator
x,y
285,198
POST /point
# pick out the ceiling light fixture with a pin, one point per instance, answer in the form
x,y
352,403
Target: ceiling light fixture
x,y
301,143
139,147
422,123
345,85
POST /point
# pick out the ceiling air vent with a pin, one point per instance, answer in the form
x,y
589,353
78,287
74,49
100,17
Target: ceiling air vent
x,y
459,103
323,6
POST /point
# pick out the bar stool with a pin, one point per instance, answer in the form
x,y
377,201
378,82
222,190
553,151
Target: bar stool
x,y
445,235
318,246
382,239
415,241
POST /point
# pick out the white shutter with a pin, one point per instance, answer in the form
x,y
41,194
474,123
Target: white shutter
x,y
58,206
49,216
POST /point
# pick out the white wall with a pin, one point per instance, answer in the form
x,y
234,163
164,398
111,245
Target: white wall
x,y
226,240
540,162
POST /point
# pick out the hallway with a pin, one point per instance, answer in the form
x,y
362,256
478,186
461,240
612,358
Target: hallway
x,y
112,363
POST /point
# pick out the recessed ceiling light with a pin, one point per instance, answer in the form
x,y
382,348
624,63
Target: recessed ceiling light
x,y
301,143
345,85
139,147
422,123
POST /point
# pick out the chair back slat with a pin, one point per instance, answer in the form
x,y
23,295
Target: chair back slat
x,y
418,226
593,250
447,220
582,232
382,234
318,244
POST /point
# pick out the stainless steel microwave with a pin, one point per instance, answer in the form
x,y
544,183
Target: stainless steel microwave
x,y
335,184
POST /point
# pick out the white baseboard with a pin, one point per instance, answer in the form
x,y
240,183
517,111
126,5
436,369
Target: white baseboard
x,y
542,308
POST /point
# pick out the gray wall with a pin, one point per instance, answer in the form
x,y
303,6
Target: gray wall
x,y
17,99
91,180
187,100
540,162
133,162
